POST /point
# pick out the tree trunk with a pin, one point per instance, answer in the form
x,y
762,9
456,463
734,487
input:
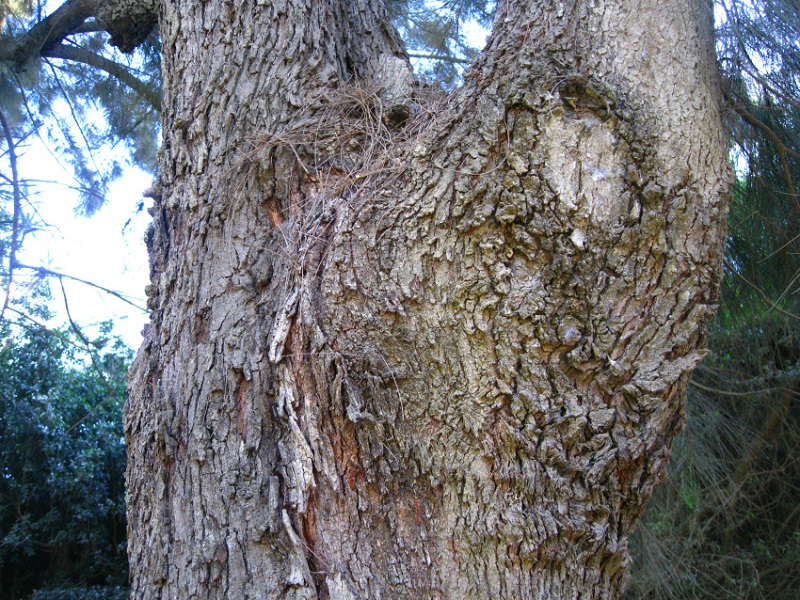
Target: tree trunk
x,y
409,344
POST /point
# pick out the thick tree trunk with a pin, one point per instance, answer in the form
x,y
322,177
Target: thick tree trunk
x,y
409,346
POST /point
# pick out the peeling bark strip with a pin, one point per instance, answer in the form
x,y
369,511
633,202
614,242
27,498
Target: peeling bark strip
x,y
401,351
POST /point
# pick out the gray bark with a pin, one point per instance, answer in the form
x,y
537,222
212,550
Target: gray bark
x,y
419,346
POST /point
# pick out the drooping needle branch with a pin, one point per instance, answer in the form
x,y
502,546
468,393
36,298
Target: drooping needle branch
x,y
15,224
50,273
82,55
97,367
761,293
780,147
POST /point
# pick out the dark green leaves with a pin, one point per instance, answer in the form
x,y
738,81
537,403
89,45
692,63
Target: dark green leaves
x,y
62,461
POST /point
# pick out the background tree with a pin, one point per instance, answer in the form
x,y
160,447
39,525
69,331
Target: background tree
x,y
435,34
64,90
62,460
62,456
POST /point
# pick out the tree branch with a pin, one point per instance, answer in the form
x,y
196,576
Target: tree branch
x,y
443,57
82,55
87,344
128,22
780,147
97,367
748,117
50,31
88,26
15,223
761,293
49,272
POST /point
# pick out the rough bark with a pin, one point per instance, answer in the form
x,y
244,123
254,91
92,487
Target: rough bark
x,y
396,353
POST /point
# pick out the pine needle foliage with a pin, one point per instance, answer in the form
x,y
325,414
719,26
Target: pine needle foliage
x,y
66,91
435,35
79,100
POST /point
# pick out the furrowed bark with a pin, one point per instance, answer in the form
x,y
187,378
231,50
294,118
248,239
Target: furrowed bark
x,y
393,357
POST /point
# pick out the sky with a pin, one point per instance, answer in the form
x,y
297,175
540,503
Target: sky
x,y
101,249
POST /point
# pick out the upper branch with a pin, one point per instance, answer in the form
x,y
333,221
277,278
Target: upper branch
x,y
83,55
128,22
49,31
665,75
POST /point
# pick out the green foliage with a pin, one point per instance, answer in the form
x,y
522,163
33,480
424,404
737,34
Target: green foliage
x,y
90,593
435,33
760,56
725,524
62,461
